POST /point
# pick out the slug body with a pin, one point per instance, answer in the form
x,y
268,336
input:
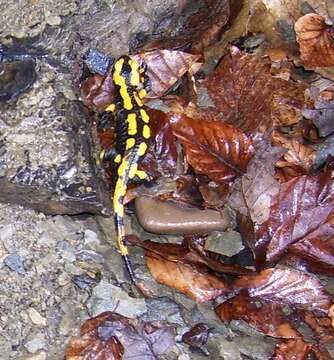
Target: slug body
x,y
132,137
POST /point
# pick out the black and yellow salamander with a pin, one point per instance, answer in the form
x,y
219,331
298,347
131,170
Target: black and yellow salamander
x,y
132,137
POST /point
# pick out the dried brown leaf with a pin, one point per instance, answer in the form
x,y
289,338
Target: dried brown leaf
x,y
166,67
213,148
170,265
250,98
286,286
200,286
267,318
297,161
316,41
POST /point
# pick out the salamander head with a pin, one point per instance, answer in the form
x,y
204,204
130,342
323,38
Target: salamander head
x,y
130,71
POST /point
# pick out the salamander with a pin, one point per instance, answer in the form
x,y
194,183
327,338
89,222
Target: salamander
x,y
132,137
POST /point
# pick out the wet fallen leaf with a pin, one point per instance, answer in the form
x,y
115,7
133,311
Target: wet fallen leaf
x,y
252,193
91,345
286,286
170,265
110,336
250,98
164,144
315,40
303,211
267,318
197,336
166,67
213,148
200,286
316,253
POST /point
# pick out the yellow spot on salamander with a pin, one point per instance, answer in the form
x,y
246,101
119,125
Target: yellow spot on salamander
x,y
133,171
117,158
122,168
146,131
138,100
111,107
122,248
130,143
120,190
144,115
120,81
135,75
132,124
142,93
142,149
141,174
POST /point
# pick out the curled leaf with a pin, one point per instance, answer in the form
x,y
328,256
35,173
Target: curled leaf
x,y
316,41
166,67
213,148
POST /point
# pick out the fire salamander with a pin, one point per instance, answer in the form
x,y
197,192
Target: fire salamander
x,y
132,136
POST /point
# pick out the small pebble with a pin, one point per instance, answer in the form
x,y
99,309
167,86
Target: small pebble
x,y
35,343
15,263
36,317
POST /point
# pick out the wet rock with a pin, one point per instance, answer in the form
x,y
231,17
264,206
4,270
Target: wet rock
x,y
227,243
107,297
256,349
16,78
85,281
89,256
162,308
46,157
21,19
15,263
221,348
91,238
